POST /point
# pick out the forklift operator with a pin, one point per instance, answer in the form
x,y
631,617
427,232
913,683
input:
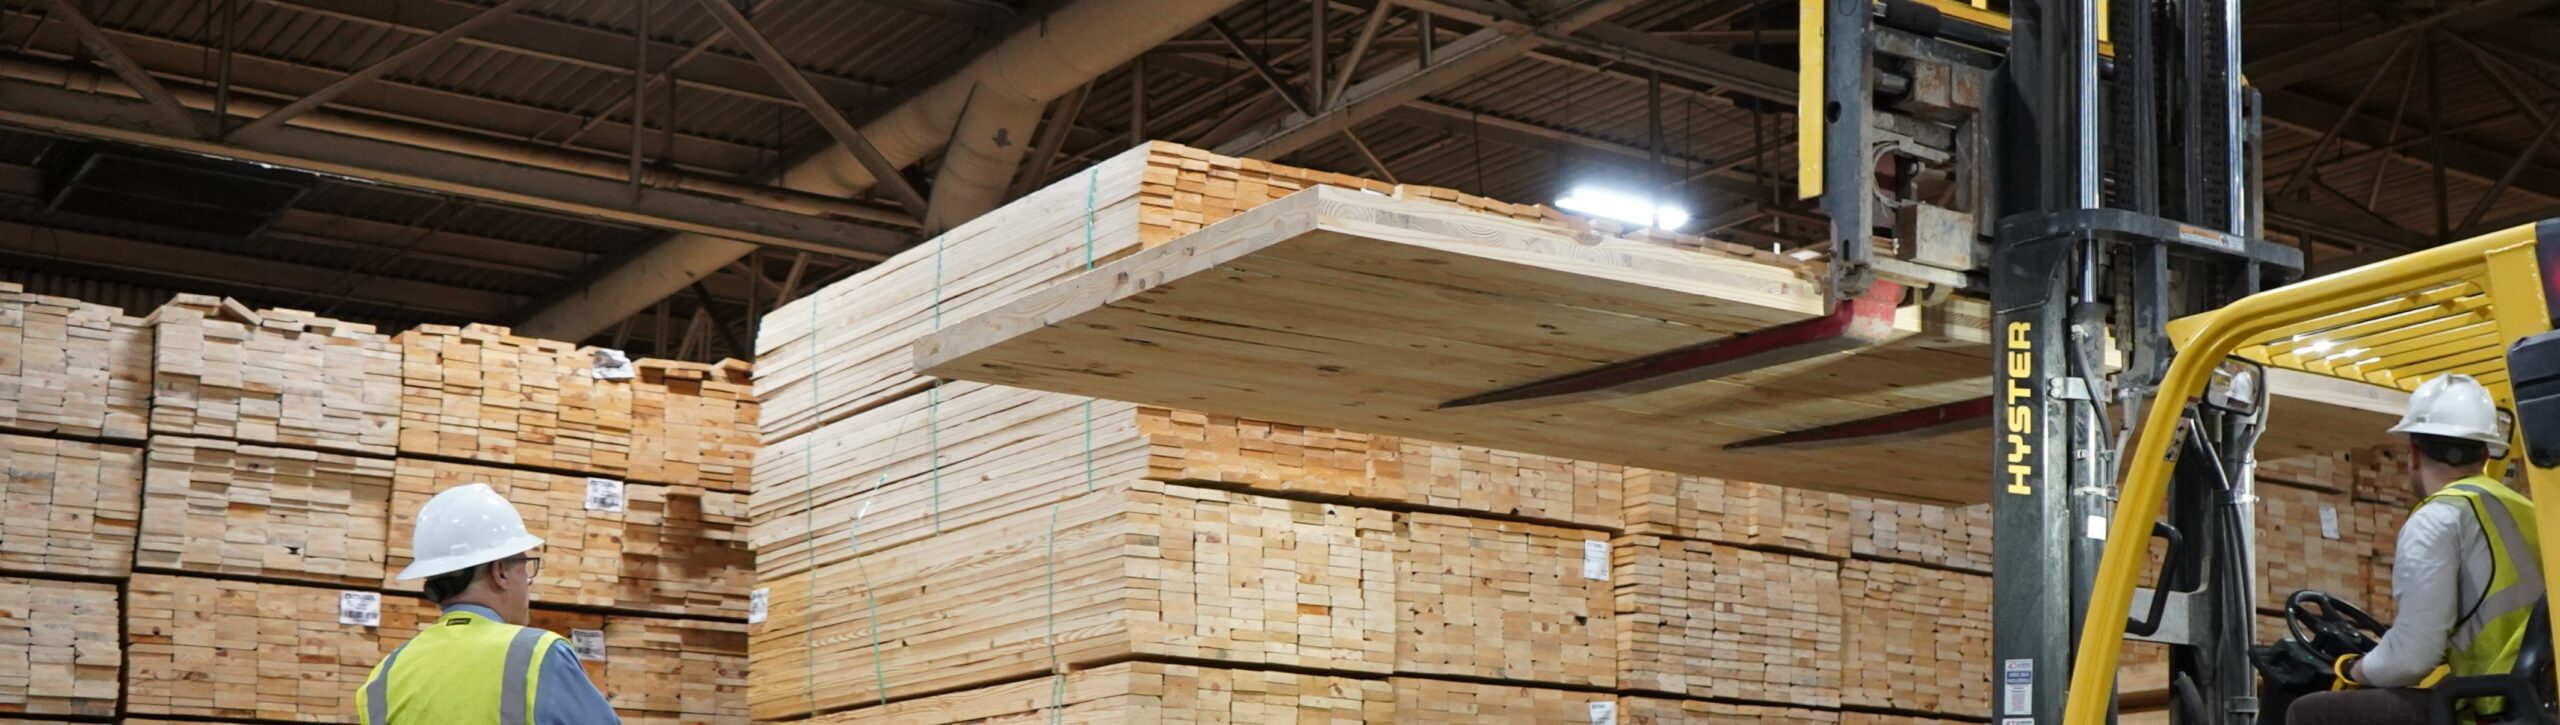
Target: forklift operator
x,y
2465,577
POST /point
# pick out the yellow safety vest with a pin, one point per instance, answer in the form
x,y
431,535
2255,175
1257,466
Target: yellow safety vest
x,y
464,668
2487,638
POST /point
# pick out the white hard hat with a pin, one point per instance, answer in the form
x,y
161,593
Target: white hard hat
x,y
2453,406
463,527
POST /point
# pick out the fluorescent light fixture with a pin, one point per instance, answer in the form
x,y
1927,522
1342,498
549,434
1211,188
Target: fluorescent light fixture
x,y
1623,207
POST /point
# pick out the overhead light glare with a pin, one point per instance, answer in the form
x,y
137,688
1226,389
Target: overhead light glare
x,y
1623,207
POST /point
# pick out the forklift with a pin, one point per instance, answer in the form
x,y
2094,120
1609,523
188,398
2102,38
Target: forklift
x,y
2092,168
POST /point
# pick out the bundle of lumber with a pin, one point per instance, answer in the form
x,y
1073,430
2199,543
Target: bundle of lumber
x,y
650,669
2331,471
484,394
1945,536
1919,639
72,368
633,546
1134,569
58,649
1663,503
1145,692
1420,700
2380,523
68,507
1502,600
286,377
2311,539
693,423
236,649
1633,710
1710,620
1286,458
2382,476
223,507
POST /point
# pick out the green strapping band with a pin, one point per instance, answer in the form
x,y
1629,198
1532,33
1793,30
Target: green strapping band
x,y
1093,182
1058,689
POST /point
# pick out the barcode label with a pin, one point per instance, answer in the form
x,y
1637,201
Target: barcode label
x,y
1604,712
605,494
2328,522
588,643
364,608
1595,561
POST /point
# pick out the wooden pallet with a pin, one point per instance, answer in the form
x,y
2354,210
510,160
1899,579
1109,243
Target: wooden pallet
x,y
484,394
1921,638
693,423
1135,569
1709,620
286,377
226,648
218,507
58,649
68,507
653,669
1663,503
1145,692
1633,710
1945,536
72,368
1502,600
673,550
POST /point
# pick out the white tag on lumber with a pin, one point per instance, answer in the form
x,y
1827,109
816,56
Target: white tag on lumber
x,y
588,643
1604,712
611,365
756,605
363,608
2328,522
1595,560
605,494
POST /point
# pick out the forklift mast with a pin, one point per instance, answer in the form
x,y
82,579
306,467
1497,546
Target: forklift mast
x,y
2090,166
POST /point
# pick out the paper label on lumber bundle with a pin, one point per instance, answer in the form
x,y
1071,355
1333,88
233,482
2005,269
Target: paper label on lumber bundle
x,y
672,549
611,365
604,494
223,507
209,648
283,377
756,603
1604,713
58,649
360,608
2302,546
1710,620
68,507
72,368
1500,600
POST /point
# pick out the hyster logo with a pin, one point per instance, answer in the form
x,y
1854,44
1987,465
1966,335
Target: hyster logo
x,y
2019,400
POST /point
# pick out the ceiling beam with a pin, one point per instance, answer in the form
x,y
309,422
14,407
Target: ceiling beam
x,y
2462,158
124,120
2369,41
156,95
883,172
34,242
379,68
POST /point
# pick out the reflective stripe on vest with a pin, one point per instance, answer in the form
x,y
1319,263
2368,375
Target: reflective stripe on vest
x,y
2488,637
443,674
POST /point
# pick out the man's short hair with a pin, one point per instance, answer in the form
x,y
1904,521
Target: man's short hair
x,y
444,587
2447,450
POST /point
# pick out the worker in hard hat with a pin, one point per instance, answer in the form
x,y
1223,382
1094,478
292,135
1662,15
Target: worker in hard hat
x,y
2465,575
477,663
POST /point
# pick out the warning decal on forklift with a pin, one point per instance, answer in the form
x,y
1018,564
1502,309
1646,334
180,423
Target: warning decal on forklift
x,y
2018,687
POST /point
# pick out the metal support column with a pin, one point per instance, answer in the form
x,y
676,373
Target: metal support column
x,y
2032,632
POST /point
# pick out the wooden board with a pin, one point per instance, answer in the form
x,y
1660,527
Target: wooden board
x,y
58,649
1709,620
1942,536
673,549
653,669
1920,638
227,648
72,368
483,394
1420,700
2380,523
693,423
1633,710
1145,692
278,376
1135,569
1663,503
2310,539
68,507
217,507
1503,600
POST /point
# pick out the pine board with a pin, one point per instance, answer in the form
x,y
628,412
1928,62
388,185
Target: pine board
x,y
1419,700
693,423
58,649
1137,568
1917,533
72,368
484,394
1633,710
1502,600
278,376
227,648
2297,551
218,507
1145,692
2380,524
1922,639
68,507
1663,503
1709,620
674,549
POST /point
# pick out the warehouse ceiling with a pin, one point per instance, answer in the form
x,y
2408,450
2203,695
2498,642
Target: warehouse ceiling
x,y
532,162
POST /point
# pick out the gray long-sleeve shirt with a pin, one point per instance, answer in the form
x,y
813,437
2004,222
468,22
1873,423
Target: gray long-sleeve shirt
x,y
2441,570
565,695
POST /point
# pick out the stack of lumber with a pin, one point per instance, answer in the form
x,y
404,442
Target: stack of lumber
x,y
672,549
68,507
1752,514
1709,620
1951,537
1918,639
652,670
1659,711
2379,523
2311,539
1420,700
287,377
221,507
1502,600
1134,692
58,649
237,649
693,423
72,368
484,394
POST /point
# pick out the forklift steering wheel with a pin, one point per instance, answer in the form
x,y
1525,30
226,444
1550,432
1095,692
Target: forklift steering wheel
x,y
2334,628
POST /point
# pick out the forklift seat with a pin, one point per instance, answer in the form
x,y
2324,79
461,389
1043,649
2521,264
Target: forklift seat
x,y
2527,688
